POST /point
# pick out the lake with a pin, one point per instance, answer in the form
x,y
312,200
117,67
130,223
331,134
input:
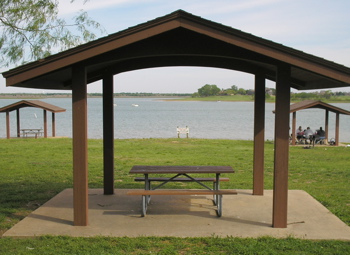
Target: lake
x,y
157,118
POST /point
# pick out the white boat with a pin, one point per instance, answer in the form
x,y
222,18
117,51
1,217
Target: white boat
x,y
135,105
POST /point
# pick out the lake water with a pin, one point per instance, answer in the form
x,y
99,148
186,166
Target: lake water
x,y
156,118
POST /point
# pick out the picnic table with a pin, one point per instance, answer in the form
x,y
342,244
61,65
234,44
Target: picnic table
x,y
181,174
32,131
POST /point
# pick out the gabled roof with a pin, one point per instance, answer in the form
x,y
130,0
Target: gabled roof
x,y
32,103
179,39
317,104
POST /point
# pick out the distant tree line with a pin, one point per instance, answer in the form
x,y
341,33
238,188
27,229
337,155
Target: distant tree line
x,y
97,94
213,90
31,95
323,94
205,91
145,94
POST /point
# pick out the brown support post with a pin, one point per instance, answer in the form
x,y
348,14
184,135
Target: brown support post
x,y
53,125
294,128
18,124
327,125
8,125
45,123
80,157
337,129
280,190
108,135
259,135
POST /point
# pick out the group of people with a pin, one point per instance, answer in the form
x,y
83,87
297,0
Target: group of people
x,y
308,135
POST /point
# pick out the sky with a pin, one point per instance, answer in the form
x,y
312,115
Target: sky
x,y
317,27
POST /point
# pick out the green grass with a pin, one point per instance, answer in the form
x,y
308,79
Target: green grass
x,y
167,245
34,170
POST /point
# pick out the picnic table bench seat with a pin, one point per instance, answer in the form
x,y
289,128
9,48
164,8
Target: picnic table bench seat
x,y
181,179
142,192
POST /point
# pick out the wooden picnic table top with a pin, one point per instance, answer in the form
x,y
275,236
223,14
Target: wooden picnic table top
x,y
139,169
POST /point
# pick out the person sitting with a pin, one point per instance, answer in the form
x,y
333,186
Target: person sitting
x,y
308,134
300,134
321,135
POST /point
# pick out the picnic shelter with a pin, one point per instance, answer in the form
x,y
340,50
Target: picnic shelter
x,y
180,39
31,103
321,105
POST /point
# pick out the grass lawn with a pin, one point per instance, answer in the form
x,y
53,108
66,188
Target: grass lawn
x,y
35,170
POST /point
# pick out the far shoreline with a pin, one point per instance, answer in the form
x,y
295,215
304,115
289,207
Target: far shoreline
x,y
165,97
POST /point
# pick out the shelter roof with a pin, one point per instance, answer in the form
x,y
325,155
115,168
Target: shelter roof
x,y
32,103
179,39
317,104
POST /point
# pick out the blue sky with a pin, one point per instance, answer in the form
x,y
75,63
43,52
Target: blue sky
x,y
318,27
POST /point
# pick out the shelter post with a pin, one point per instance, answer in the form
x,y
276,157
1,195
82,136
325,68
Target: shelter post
x,y
8,125
80,166
337,129
294,126
280,189
108,135
18,124
45,123
259,136
53,125
326,125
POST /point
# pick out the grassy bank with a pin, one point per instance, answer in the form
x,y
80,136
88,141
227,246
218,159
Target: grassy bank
x,y
34,170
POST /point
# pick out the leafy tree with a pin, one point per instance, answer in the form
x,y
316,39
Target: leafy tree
x,y
195,95
327,94
226,92
250,92
208,90
31,29
304,96
242,91
340,93
234,88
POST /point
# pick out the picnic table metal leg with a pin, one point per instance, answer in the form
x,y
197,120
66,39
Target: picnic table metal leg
x,y
147,187
216,187
219,206
144,202
145,198
218,198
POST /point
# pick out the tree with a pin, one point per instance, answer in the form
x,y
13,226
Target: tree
x,y
249,92
31,29
327,94
195,94
241,91
234,88
208,90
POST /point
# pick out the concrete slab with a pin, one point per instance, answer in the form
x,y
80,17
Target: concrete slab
x,y
244,215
